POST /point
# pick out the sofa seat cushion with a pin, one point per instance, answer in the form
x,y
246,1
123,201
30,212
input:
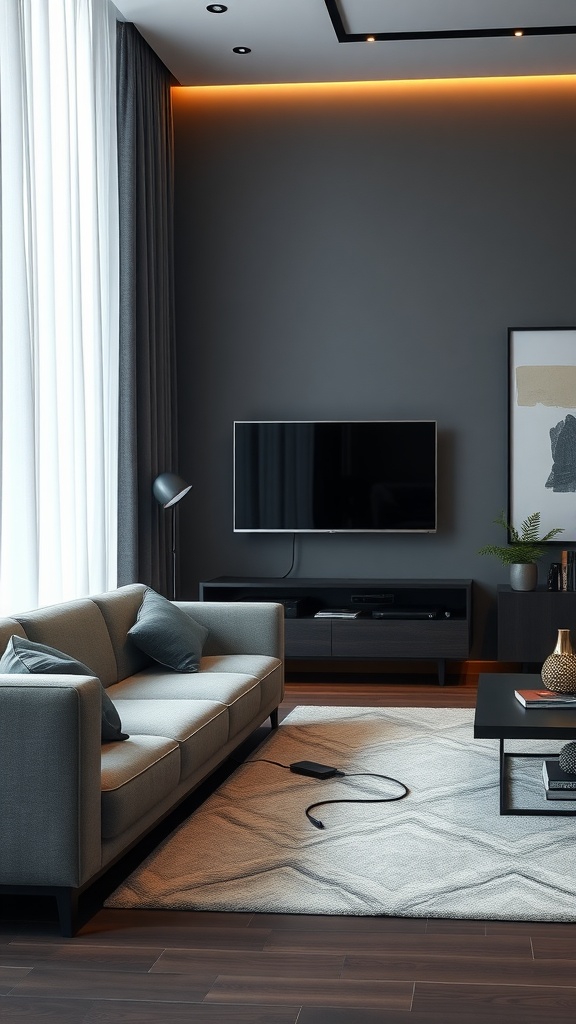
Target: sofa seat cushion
x,y
135,776
268,670
239,693
199,726
249,664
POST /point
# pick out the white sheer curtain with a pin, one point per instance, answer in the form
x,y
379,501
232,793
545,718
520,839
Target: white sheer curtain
x,y
58,301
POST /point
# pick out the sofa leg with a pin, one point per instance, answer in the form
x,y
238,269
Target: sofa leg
x,y
274,718
67,900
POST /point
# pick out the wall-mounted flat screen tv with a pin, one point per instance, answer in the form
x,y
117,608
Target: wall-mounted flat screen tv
x,y
358,476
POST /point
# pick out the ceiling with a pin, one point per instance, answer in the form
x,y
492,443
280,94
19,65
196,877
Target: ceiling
x,y
296,41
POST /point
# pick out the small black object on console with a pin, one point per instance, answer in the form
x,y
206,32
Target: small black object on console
x,y
405,613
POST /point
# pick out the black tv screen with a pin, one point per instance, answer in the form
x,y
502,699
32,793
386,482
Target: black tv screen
x,y
335,476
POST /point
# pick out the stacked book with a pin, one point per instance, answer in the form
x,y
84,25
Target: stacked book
x,y
545,699
559,785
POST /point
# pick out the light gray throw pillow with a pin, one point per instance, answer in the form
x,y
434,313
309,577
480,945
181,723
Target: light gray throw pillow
x,y
167,634
25,656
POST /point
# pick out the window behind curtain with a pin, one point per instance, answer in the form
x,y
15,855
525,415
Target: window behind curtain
x,y
58,301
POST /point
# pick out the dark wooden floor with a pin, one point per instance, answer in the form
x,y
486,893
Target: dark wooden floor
x,y
130,967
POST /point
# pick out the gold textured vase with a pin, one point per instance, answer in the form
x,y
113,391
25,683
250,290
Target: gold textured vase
x,y
559,669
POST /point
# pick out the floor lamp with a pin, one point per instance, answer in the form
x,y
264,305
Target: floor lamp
x,y
168,489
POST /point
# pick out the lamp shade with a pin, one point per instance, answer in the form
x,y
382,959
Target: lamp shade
x,y
168,488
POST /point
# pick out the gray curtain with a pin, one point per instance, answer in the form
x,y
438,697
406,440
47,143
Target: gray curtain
x,y
147,437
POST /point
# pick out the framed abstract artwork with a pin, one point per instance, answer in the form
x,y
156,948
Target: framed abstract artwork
x,y
542,428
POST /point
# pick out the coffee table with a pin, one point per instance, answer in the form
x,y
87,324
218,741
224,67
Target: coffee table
x,y
500,716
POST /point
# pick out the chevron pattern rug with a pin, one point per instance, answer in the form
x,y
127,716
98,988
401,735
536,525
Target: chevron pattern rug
x,y
443,851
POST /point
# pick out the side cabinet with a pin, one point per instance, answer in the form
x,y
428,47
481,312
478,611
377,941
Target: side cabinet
x,y
528,622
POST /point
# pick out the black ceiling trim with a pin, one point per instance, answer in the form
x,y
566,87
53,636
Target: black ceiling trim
x,y
472,33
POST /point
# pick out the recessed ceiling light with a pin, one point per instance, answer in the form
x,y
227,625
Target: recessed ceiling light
x,y
370,39
518,33
241,49
216,8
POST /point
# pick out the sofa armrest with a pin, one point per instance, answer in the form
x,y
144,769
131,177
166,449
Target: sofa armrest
x,y
238,627
50,746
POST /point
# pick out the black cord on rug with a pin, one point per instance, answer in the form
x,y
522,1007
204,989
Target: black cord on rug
x,y
314,770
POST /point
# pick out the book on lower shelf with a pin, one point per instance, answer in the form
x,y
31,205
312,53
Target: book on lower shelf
x,y
545,699
555,778
561,794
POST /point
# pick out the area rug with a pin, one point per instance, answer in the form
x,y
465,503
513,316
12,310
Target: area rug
x,y
443,851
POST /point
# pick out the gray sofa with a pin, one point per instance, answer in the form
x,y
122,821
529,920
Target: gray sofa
x,y
71,805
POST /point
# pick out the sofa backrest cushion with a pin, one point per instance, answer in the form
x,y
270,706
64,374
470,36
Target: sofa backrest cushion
x,y
76,628
8,628
23,656
119,609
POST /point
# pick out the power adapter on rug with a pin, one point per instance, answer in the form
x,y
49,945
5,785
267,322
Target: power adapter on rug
x,y
314,770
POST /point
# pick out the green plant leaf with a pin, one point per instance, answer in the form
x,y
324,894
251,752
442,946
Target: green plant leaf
x,y
525,544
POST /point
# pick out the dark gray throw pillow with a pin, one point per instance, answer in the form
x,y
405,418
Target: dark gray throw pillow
x,y
22,656
167,634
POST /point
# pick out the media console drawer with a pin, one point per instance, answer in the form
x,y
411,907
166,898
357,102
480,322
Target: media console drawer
x,y
308,638
402,638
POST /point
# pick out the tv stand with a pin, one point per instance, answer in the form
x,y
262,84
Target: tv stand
x,y
396,619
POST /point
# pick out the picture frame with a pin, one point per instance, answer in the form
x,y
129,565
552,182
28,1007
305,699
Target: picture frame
x,y
542,428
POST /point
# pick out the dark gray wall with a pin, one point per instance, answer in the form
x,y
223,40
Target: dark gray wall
x,y
358,253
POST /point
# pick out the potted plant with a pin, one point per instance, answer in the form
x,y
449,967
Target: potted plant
x,y
523,551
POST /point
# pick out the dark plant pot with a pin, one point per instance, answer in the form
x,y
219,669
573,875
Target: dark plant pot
x,y
524,576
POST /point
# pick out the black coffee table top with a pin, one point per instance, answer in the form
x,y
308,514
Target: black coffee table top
x,y
499,715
